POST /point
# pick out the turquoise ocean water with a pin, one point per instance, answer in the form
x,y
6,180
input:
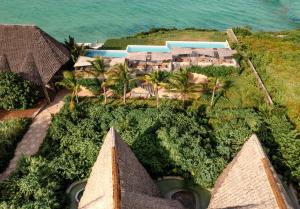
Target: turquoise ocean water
x,y
91,20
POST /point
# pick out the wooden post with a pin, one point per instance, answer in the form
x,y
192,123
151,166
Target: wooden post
x,y
46,94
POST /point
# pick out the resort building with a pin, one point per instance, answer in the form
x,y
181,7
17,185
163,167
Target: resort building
x,y
32,53
172,56
119,181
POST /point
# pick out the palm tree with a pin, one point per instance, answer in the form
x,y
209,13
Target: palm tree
x,y
75,49
155,78
215,88
120,74
99,72
71,82
180,83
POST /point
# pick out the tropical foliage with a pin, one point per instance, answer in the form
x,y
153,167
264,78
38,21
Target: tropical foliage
x,y
155,79
11,131
98,67
75,49
120,74
168,140
17,93
180,83
71,82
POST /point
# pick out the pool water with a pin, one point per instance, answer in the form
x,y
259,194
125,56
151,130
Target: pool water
x,y
196,44
145,48
150,48
106,53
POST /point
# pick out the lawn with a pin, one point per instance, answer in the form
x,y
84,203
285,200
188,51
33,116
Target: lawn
x,y
160,37
277,58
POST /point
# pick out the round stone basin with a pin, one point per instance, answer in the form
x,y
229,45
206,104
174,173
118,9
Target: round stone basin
x,y
191,196
75,192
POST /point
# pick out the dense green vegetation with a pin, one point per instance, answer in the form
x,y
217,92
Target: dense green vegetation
x,y
195,142
276,56
11,131
161,35
17,93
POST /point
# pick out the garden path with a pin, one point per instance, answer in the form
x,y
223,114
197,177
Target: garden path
x,y
34,137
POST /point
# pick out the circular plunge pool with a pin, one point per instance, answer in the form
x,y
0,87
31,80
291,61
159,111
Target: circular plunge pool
x,y
191,196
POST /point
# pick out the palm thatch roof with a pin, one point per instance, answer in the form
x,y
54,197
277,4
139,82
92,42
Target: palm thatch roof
x,y
249,181
31,52
118,181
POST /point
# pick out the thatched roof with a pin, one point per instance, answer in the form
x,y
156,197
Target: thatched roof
x,y
29,50
249,181
119,181
4,66
197,78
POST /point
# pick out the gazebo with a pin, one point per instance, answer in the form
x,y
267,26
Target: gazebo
x,y
32,53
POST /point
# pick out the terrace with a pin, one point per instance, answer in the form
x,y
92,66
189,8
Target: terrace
x,y
172,56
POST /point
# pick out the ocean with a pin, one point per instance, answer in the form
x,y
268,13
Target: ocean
x,y
97,20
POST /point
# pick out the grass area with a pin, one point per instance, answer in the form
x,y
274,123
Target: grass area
x,y
159,37
11,131
276,56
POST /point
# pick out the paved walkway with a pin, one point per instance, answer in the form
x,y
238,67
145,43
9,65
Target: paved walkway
x,y
34,137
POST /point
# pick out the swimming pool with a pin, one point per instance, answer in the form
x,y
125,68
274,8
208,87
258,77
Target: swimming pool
x,y
145,48
196,44
106,53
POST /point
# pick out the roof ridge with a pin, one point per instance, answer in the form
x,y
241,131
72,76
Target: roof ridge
x,y
115,171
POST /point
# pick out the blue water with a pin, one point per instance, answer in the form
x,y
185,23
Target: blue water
x,y
193,44
106,53
91,20
144,48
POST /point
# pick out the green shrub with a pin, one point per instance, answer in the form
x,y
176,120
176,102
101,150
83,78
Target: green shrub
x,y
214,71
17,93
92,84
11,131
242,31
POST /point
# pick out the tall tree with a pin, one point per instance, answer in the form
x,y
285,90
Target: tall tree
x,y
99,72
180,82
155,78
120,74
71,82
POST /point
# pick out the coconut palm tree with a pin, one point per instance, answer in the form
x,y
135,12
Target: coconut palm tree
x,y
155,78
180,82
99,72
120,74
75,49
71,82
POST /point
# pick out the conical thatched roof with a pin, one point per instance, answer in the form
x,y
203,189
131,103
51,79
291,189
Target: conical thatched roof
x,y
4,65
249,181
20,42
119,181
